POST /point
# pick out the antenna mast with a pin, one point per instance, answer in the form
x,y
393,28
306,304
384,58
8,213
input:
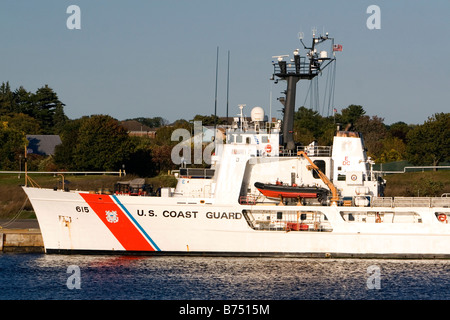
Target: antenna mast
x,y
215,101
300,68
228,82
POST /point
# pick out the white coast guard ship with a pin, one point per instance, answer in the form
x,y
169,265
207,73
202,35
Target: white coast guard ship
x,y
262,196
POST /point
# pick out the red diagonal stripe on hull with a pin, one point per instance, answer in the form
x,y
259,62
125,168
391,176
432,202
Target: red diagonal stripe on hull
x,y
124,230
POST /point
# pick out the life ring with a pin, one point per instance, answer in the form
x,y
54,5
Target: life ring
x,y
268,148
378,218
442,217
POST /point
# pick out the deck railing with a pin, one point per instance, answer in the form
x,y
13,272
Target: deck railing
x,y
411,202
312,151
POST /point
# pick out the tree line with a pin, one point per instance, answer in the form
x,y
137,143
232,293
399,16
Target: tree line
x,y
101,143
419,144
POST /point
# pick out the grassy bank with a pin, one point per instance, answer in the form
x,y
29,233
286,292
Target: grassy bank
x,y
418,184
12,197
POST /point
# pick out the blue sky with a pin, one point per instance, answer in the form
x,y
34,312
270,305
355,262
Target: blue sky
x,y
158,58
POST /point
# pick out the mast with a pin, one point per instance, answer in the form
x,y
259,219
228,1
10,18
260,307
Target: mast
x,y
215,98
300,68
228,83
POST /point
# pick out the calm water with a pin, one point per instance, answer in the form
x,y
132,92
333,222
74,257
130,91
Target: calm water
x,y
39,276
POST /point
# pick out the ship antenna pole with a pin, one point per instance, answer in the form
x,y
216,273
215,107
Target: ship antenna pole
x,y
228,82
26,168
215,102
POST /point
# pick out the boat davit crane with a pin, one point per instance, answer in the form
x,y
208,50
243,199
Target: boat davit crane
x,y
323,177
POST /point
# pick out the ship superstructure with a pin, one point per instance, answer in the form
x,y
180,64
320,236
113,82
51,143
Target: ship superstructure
x,y
263,195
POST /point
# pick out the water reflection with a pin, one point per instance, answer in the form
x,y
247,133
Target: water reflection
x,y
174,278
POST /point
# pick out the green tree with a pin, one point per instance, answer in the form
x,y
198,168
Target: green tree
x,y
350,115
12,146
43,105
429,143
6,99
102,144
155,122
399,130
303,135
309,125
140,161
209,120
163,135
48,110
328,134
162,144
394,149
308,119
23,101
374,131
161,155
65,152
22,122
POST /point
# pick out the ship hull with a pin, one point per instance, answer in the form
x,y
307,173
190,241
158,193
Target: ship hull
x,y
76,222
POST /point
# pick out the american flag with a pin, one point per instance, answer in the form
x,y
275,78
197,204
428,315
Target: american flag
x,y
337,47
